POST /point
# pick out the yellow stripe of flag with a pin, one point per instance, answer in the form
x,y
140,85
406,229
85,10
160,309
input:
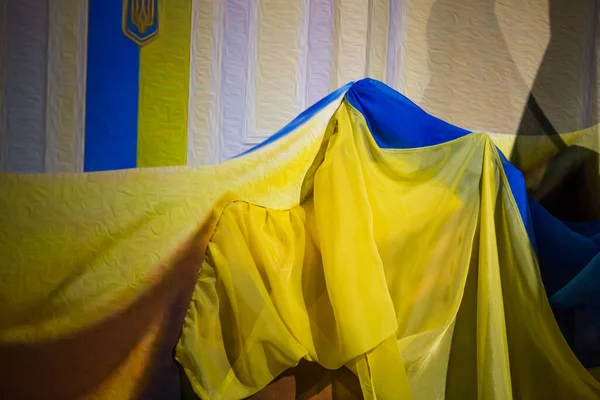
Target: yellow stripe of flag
x,y
164,87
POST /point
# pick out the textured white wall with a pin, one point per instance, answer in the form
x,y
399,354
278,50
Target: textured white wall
x,y
42,82
258,63
271,59
475,62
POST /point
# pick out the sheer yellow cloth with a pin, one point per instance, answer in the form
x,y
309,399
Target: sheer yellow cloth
x,y
95,267
411,267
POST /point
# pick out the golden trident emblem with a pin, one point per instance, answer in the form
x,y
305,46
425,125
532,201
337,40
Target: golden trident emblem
x,y
142,14
140,20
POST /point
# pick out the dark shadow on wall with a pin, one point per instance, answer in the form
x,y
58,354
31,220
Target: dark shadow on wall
x,y
470,64
467,49
562,99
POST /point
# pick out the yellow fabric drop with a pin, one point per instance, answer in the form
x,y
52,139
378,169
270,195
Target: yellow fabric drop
x,y
91,269
410,267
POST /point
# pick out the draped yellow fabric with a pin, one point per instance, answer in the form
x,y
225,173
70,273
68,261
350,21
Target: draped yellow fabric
x,y
95,268
410,267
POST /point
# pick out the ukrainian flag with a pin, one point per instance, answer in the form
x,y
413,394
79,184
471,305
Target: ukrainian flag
x,y
137,83
366,233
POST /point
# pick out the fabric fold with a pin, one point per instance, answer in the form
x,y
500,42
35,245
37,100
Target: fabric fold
x,y
385,267
366,234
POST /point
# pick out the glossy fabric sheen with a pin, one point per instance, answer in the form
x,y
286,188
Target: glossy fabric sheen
x,y
411,267
97,269
568,258
565,250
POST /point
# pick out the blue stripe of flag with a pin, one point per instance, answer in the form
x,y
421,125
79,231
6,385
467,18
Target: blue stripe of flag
x,y
112,90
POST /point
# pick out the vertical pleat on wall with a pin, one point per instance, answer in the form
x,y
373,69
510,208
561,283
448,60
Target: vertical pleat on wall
x,y
3,65
24,136
65,97
277,64
234,72
320,49
42,82
351,33
395,57
379,25
203,109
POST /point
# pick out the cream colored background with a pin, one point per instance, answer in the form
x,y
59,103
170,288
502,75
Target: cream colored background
x,y
258,63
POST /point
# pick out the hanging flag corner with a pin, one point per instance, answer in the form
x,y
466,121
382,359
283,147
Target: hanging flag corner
x,y
140,20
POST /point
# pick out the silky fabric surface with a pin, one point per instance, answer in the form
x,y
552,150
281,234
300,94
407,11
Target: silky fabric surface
x,y
383,108
396,122
411,267
567,257
97,270
564,253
